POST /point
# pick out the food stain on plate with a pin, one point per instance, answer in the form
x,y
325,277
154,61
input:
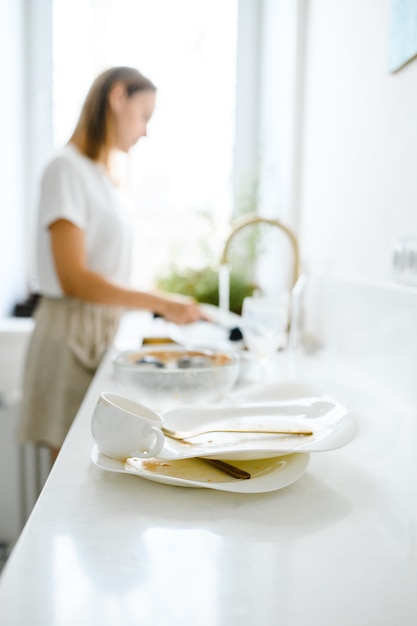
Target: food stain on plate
x,y
199,470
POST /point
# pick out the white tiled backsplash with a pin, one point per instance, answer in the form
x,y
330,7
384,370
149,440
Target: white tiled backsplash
x,y
374,327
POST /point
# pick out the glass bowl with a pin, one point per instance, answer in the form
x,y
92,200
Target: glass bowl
x,y
164,377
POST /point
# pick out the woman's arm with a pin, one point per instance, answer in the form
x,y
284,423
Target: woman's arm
x,y
78,281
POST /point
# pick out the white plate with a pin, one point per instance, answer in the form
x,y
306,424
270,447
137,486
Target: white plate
x,y
270,405
206,334
268,474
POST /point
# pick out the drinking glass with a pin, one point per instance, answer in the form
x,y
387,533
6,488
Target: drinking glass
x,y
264,325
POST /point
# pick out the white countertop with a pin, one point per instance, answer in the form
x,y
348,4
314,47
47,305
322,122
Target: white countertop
x,y
336,548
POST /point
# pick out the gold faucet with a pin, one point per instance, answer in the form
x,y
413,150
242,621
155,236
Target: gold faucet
x,y
251,219
296,335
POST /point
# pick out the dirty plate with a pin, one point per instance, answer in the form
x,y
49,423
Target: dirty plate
x,y
332,424
267,474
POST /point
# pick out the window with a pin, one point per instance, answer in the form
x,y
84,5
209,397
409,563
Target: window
x,y
181,175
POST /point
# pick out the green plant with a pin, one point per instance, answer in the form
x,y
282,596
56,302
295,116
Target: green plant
x,y
202,282
203,285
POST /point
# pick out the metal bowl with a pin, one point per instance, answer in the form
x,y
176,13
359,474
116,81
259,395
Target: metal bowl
x,y
164,377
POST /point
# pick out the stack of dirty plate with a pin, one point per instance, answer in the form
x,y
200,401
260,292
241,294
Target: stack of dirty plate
x,y
257,440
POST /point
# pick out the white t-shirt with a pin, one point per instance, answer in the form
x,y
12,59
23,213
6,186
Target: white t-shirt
x,y
78,189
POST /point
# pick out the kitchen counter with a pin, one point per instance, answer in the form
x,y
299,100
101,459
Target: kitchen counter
x,y
336,548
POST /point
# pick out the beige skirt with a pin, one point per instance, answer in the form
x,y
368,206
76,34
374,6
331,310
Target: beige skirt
x,y
66,346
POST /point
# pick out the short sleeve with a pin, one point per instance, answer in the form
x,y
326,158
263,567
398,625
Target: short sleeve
x,y
62,194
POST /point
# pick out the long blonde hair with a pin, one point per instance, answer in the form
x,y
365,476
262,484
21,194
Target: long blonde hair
x,y
91,131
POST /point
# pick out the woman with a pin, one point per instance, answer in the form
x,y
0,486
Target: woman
x,y
84,257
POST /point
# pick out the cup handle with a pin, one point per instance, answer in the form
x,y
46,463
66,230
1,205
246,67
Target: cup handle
x,y
159,440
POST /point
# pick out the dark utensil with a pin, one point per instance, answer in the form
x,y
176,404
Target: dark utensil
x,y
227,468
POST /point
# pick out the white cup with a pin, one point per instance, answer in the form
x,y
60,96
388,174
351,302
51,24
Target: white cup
x,y
123,428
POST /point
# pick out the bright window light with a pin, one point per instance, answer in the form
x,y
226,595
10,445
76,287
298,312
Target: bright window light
x,y
180,176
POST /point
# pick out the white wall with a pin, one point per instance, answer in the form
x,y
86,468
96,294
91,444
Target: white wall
x,y
12,102
359,161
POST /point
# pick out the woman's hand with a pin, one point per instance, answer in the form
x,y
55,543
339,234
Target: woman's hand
x,y
180,310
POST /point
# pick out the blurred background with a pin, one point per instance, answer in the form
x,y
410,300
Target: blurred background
x,y
293,108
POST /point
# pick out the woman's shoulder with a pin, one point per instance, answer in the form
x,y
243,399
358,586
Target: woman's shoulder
x,y
64,185
68,164
66,157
